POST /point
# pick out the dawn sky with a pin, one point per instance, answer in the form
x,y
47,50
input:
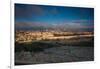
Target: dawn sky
x,y
69,17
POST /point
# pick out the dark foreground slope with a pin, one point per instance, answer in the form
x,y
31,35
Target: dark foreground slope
x,y
54,51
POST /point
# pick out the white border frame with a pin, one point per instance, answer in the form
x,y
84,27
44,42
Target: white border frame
x,y
48,2
12,35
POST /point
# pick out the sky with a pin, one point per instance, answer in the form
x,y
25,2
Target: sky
x,y
62,17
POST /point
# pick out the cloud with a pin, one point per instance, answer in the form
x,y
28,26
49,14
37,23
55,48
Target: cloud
x,y
76,25
22,10
69,26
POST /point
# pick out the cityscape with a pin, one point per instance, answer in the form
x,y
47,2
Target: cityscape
x,y
29,36
53,34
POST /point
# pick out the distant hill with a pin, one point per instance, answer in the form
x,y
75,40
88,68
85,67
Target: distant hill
x,y
47,27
